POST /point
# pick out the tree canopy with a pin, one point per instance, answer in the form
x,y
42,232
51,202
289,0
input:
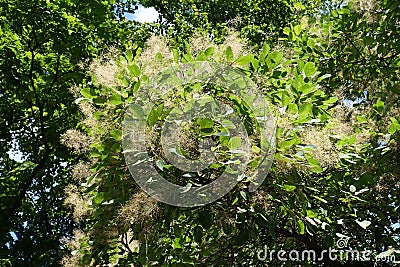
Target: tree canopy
x,y
71,70
43,46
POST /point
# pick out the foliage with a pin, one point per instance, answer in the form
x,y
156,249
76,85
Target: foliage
x,y
331,78
41,44
257,21
334,173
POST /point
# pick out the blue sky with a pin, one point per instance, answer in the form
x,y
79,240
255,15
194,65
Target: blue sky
x,y
143,15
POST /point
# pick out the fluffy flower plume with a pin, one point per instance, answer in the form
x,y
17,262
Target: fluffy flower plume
x,y
76,140
139,207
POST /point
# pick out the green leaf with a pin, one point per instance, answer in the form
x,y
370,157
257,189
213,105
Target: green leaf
x,y
313,162
209,51
229,54
297,29
331,100
305,110
309,69
201,57
361,119
160,164
206,123
88,92
255,63
266,49
393,128
134,70
152,118
187,58
136,111
316,167
235,142
99,198
176,55
289,188
286,30
312,214
276,56
368,40
235,201
99,100
265,52
287,144
300,226
125,81
177,243
311,43
244,60
159,57
379,105
129,55
292,107
136,86
116,134
115,100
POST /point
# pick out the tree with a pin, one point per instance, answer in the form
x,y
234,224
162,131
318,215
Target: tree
x,y
41,44
331,79
257,21
334,176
